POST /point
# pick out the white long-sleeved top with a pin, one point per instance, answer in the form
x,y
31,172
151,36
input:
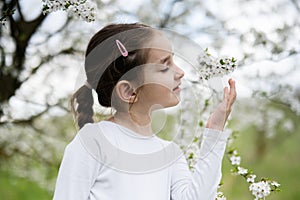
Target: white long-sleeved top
x,y
107,161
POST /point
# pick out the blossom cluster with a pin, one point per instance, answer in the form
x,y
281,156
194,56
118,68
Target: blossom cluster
x,y
210,67
260,189
81,8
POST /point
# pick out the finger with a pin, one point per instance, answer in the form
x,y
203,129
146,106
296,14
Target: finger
x,y
232,92
226,93
232,87
230,103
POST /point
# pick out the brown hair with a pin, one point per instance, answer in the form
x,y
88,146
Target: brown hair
x,y
105,66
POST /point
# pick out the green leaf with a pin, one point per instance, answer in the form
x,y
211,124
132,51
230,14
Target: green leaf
x,y
201,123
45,7
222,62
195,139
206,102
206,51
221,183
67,5
264,94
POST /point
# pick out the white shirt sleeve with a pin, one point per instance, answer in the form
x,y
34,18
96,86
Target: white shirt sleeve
x,y
77,172
202,184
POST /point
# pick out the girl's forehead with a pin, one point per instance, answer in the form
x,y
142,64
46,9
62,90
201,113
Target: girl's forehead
x,y
160,41
160,46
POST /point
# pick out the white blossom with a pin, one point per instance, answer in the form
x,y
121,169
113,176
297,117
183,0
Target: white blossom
x,y
220,196
235,152
235,160
288,125
4,22
274,183
242,171
260,189
251,178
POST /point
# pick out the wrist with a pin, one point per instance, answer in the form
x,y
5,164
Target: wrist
x,y
214,127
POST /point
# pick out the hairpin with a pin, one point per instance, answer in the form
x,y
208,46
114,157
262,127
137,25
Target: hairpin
x,y
121,48
88,85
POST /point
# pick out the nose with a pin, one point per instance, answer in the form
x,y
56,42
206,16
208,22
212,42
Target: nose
x,y
179,73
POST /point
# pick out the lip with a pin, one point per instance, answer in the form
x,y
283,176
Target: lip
x,y
177,88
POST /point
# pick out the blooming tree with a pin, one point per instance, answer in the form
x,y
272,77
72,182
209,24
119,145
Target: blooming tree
x,y
85,10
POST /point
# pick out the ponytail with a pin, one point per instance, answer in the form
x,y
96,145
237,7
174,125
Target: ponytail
x,y
83,111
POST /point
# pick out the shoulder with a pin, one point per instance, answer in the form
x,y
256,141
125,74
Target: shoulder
x,y
88,128
87,134
77,142
97,140
77,150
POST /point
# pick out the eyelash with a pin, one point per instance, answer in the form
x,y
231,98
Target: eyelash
x,y
166,62
164,70
167,68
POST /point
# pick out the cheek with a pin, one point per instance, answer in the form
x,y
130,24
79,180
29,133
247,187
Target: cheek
x,y
156,89
158,94
154,92
163,79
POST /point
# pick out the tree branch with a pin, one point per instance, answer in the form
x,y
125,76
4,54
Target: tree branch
x,y
49,35
20,11
294,2
30,120
47,59
163,23
2,58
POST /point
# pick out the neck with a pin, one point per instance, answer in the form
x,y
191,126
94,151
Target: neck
x,y
136,121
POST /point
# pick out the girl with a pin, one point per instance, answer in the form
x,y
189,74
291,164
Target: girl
x,y
130,66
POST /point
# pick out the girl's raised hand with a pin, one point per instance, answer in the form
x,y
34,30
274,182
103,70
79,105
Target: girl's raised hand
x,y
219,117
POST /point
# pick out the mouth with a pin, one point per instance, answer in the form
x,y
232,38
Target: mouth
x,y
177,88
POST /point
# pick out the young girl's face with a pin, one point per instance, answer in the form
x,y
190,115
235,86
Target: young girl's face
x,y
162,77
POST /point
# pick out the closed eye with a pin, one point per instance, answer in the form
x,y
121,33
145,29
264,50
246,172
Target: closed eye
x,y
164,70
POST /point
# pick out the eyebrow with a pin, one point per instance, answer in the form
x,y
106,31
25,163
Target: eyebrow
x,y
163,60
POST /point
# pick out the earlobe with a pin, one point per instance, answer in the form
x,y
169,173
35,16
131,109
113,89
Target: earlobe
x,y
133,98
126,91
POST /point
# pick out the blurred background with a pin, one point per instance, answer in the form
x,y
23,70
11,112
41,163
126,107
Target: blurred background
x,y
42,58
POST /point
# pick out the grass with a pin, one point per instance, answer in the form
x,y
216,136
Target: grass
x,y
280,162
13,188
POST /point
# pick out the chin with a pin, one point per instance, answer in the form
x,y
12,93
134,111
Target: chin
x,y
173,103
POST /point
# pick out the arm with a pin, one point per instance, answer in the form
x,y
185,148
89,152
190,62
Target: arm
x,y
203,182
77,172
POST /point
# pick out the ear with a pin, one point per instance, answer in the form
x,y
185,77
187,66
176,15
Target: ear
x,y
126,91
